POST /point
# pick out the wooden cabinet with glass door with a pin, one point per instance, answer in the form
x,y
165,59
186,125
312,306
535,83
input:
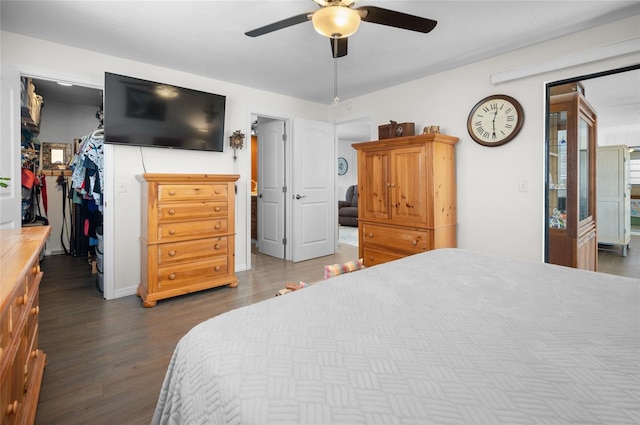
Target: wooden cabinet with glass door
x,y
571,215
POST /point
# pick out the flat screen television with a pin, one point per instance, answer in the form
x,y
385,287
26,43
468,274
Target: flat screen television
x,y
146,113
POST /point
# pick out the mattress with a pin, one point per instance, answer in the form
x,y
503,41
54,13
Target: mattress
x,y
445,337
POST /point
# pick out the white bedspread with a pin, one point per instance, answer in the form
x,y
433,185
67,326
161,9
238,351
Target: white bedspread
x,y
445,337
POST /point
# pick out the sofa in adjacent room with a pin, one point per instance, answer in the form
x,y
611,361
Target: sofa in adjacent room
x,y
348,209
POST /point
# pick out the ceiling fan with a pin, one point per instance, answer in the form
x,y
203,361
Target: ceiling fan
x,y
338,19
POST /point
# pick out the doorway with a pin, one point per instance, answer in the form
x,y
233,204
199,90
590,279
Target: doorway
x,y
69,113
295,195
615,97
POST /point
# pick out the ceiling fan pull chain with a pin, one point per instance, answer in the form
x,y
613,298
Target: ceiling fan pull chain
x,y
336,99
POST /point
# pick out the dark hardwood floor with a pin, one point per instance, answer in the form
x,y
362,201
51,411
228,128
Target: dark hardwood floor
x,y
106,360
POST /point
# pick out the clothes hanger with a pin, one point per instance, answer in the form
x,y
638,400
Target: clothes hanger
x,y
98,134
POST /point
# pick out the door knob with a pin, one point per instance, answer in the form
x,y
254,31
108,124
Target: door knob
x,y
300,196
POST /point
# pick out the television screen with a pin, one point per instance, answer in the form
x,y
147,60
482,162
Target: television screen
x,y
145,113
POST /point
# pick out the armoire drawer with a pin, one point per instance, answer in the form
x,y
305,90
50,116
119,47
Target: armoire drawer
x,y
397,238
373,256
191,192
181,274
191,229
191,250
191,211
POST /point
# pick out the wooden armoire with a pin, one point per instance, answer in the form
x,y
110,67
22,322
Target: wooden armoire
x,y
407,196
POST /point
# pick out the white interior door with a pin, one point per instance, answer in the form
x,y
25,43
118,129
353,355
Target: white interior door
x,y
313,189
271,183
11,196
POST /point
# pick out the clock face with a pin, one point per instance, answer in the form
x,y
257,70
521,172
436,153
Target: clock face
x,y
495,120
342,166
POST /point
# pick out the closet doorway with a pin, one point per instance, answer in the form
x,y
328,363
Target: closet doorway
x,y
68,114
615,97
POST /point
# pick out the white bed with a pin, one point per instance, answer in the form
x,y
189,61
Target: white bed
x,y
445,337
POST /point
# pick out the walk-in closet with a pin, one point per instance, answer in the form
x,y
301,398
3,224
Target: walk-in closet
x,y
62,168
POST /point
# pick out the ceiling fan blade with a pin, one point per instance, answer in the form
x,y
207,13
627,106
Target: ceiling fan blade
x,y
294,20
378,15
338,47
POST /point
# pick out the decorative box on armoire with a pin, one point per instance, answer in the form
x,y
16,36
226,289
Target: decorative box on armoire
x,y
571,191
187,234
407,196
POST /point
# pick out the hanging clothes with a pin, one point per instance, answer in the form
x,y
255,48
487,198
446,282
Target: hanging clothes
x,y
88,167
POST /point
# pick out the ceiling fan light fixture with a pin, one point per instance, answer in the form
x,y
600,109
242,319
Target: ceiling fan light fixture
x,y
336,21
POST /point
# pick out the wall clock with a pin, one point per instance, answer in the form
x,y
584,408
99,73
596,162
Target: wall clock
x,y
495,120
342,166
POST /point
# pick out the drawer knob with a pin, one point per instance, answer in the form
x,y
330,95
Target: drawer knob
x,y
172,192
371,258
216,209
216,246
12,409
172,253
35,310
172,231
34,354
22,300
217,191
217,226
36,269
172,212
172,276
370,234
216,268
414,242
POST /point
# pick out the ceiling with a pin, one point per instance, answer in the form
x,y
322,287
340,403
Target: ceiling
x,y
207,38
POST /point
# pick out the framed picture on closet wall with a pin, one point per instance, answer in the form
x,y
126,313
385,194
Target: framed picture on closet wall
x,y
56,156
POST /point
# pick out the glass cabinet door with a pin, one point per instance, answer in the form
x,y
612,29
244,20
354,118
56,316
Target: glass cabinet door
x,y
558,170
583,169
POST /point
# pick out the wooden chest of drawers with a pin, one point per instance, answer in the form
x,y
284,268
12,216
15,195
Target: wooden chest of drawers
x,y
187,234
21,361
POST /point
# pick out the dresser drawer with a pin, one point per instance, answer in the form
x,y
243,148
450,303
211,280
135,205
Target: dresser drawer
x,y
191,229
34,313
10,397
191,211
373,256
191,250
191,192
397,238
11,315
181,274
33,276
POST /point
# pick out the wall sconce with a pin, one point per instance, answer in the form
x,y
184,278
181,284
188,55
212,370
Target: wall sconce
x,y
236,141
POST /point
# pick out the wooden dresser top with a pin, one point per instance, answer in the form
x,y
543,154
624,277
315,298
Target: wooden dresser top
x,y
18,249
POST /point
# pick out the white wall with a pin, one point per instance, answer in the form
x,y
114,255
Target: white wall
x,y
493,215
63,122
41,58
